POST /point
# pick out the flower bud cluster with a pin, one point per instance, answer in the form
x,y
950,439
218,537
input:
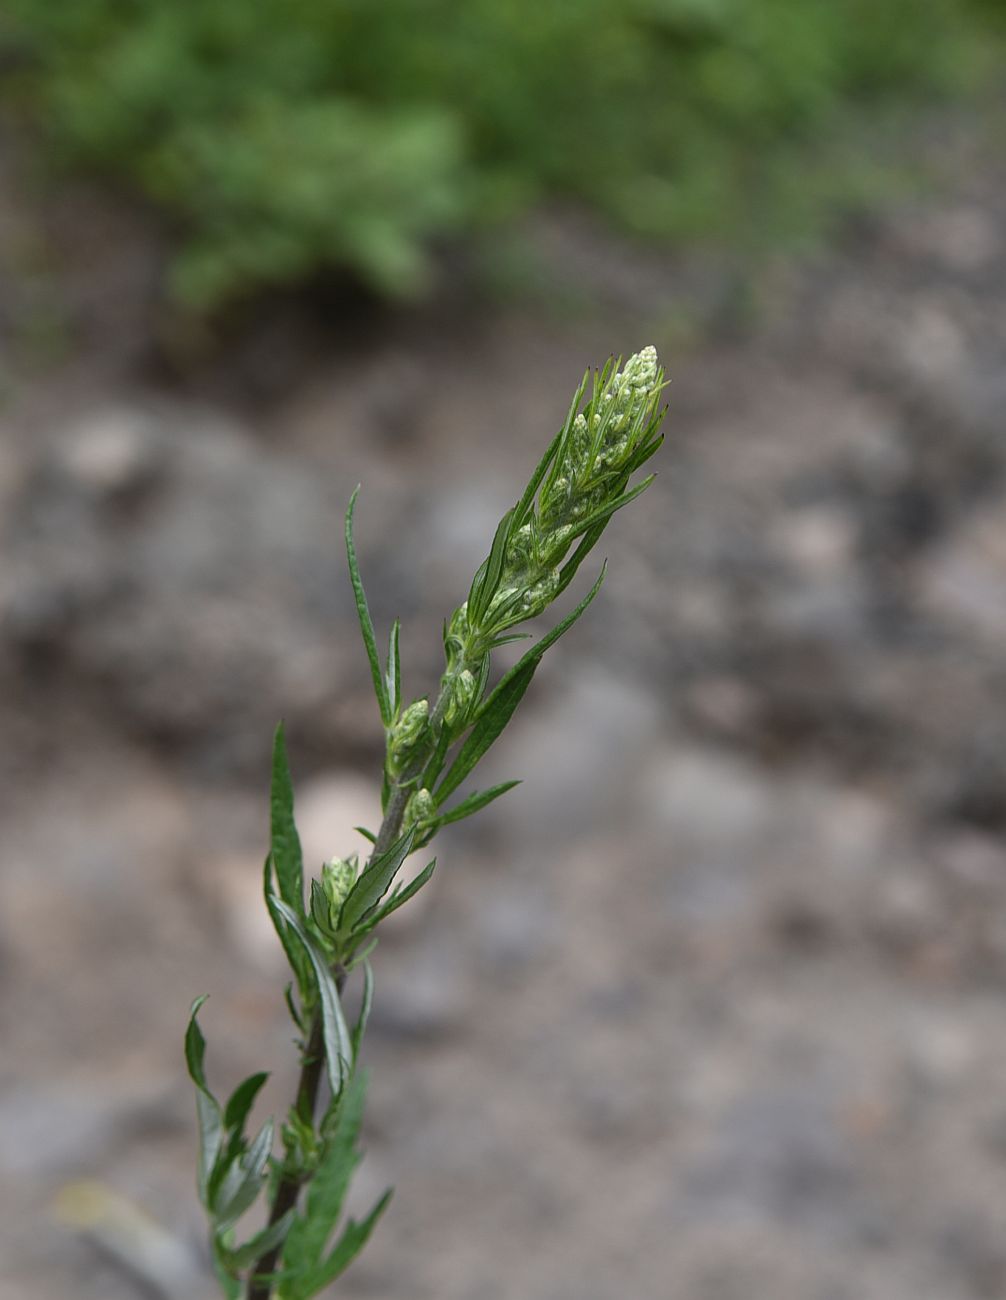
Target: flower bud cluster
x,y
337,878
599,443
463,692
408,736
592,468
419,811
583,480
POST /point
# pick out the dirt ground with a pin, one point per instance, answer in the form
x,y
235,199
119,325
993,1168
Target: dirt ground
x,y
713,1006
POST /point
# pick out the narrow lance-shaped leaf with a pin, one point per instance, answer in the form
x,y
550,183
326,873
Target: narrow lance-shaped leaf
x,y
486,580
244,1180
394,673
287,859
374,882
498,707
338,1047
475,803
602,515
523,508
295,955
235,1114
207,1108
556,460
366,1002
402,895
242,1099
495,713
272,1235
436,763
363,614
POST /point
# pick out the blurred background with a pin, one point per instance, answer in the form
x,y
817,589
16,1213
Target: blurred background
x,y
712,1006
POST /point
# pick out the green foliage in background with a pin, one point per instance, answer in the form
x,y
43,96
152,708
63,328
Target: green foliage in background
x,y
284,136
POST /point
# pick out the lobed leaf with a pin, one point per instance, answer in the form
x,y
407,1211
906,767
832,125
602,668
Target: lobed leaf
x,y
352,1241
309,1234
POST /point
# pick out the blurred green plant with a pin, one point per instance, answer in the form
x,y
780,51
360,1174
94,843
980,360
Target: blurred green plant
x,y
330,931
291,135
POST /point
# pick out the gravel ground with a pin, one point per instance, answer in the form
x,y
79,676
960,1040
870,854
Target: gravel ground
x,y
712,1006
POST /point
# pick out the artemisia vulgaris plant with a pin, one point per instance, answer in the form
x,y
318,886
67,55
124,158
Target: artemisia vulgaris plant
x,y
329,929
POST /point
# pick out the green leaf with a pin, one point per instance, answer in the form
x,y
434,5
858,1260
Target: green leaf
x,y
241,1101
338,1046
436,764
207,1107
475,802
404,894
367,835
253,1249
498,707
493,716
394,673
292,1007
309,1235
360,1028
374,882
299,964
321,911
235,1114
506,639
360,955
551,459
363,614
604,513
585,546
244,1179
287,859
229,1284
487,578
353,1239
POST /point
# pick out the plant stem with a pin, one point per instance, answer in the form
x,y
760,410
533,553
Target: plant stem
x,y
290,1185
311,1067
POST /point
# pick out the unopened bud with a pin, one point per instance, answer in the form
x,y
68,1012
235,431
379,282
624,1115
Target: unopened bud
x,y
462,696
408,734
419,810
541,593
337,878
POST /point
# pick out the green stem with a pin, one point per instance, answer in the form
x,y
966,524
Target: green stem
x,y
291,1183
